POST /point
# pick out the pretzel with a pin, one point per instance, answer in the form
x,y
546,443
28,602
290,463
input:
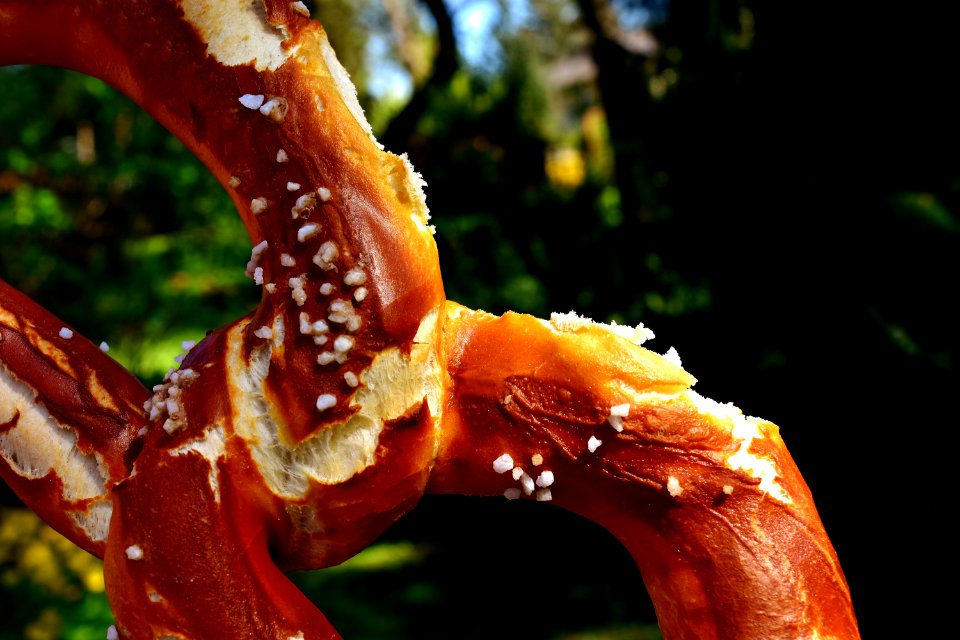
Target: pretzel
x,y
293,437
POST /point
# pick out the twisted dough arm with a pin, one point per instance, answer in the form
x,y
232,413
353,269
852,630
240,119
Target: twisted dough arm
x,y
708,501
293,437
69,415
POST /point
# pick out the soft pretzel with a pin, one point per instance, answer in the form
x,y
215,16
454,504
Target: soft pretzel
x,y
293,437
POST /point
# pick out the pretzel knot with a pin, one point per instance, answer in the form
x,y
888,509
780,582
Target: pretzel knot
x,y
293,437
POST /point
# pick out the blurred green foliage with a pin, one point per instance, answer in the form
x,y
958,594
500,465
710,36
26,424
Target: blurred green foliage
x,y
105,213
709,172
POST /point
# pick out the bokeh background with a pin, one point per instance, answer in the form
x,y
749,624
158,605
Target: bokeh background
x,y
773,188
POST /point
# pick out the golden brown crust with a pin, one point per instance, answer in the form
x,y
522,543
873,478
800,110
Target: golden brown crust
x,y
294,436
76,407
708,501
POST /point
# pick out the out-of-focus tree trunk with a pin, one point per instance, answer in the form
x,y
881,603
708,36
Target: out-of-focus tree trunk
x,y
445,64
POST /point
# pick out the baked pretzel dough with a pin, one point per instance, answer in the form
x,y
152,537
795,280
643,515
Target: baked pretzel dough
x,y
293,437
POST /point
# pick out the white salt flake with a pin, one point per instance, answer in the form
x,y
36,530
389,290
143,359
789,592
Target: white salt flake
x,y
545,479
673,486
275,108
512,493
134,552
593,444
307,231
251,100
354,277
526,481
544,495
620,410
503,464
258,206
326,401
65,333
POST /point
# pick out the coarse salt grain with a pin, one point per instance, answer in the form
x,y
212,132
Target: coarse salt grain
x,y
112,633
351,379
293,186
326,401
326,289
728,489
593,444
545,479
512,493
287,260
526,481
354,277
307,231
264,332
326,357
673,486
621,410
252,101
544,495
275,108
616,422
65,333
258,275
343,344
326,254
282,156
360,294
536,459
104,347
324,193
517,473
258,206
134,552
503,464
303,204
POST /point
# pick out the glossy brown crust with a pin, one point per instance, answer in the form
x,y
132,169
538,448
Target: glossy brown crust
x,y
200,533
85,392
369,216
722,558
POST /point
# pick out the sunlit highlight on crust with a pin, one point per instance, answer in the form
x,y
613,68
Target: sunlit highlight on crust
x,y
744,429
572,322
344,85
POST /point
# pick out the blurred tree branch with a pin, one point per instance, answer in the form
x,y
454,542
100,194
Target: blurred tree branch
x,y
445,65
